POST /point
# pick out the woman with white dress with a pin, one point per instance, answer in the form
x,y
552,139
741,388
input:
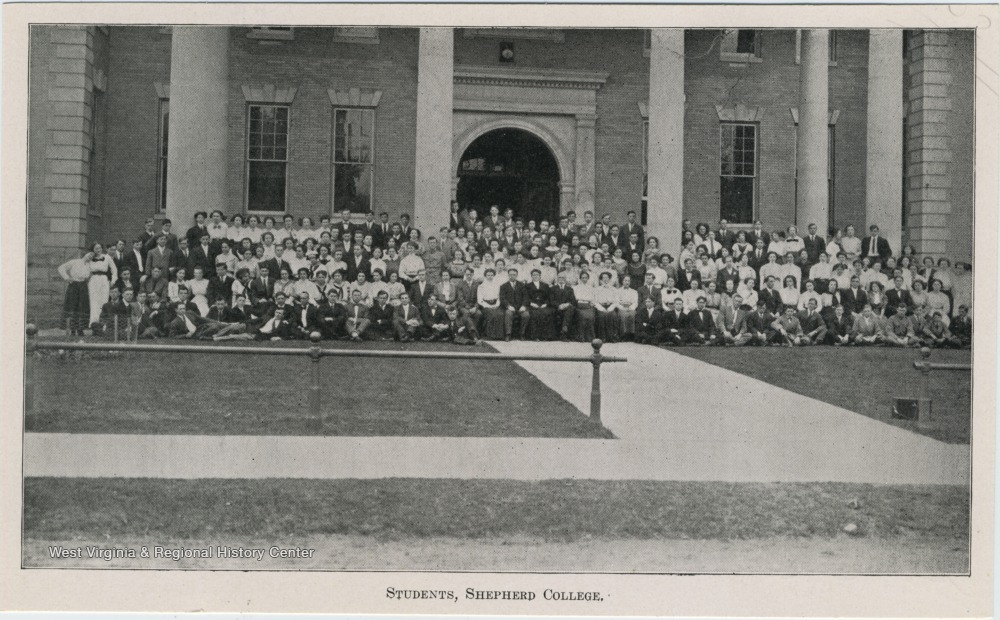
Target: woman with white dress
x,y
628,302
174,287
198,286
850,244
103,274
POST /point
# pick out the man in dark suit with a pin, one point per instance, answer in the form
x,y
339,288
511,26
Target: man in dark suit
x,y
512,301
147,238
404,226
421,290
875,245
673,325
383,230
770,295
649,290
757,257
344,226
648,322
701,325
203,256
220,286
855,298
466,291
182,258
460,329
160,256
135,259
277,326
814,244
276,264
564,234
724,236
813,326
839,327
304,316
408,321
759,324
899,297
563,302
368,227
633,227
263,285
758,233
332,318
686,275
381,316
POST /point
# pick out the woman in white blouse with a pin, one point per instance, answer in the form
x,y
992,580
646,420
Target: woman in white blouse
x,y
790,292
606,304
284,284
488,298
748,291
173,287
585,315
850,244
103,274
628,302
236,229
253,231
198,286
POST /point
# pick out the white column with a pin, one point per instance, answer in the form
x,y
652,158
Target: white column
x,y
666,137
884,169
584,167
813,130
435,86
199,123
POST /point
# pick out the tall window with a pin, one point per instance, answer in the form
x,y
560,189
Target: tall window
x,y
740,46
161,171
267,157
645,172
738,172
353,159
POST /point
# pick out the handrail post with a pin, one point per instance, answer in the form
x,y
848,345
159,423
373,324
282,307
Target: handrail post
x,y
31,331
924,400
595,383
315,353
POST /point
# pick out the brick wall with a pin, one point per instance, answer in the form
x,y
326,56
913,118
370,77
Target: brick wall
x,y
314,63
64,66
963,92
774,85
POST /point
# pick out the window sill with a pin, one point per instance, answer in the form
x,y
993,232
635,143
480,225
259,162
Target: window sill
x,y
739,58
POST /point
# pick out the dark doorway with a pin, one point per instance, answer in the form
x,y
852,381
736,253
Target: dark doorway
x,y
513,169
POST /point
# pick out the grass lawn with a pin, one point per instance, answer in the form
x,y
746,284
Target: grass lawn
x,y
208,394
555,510
865,380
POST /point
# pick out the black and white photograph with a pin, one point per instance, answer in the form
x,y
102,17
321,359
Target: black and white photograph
x,y
521,300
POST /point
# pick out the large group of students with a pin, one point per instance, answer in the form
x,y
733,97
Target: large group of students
x,y
498,277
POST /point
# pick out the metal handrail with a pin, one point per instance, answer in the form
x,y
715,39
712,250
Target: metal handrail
x,y
316,353
924,418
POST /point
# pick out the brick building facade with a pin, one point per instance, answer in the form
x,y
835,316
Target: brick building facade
x,y
784,126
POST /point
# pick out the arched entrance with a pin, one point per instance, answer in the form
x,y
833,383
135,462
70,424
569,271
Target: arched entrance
x,y
510,168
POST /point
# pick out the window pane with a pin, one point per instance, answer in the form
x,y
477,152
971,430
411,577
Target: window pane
x,y
352,187
266,186
736,199
746,42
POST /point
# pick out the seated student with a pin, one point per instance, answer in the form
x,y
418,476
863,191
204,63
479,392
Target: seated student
x,y
436,319
223,323
668,294
854,298
408,322
586,316
700,325
839,327
540,315
563,303
731,322
770,295
513,301
813,326
155,318
692,295
458,329
114,316
961,326
647,322
357,316
674,325
787,329
277,327
809,294
606,305
381,316
155,283
759,324
897,330
936,333
867,328
649,289
898,295
304,315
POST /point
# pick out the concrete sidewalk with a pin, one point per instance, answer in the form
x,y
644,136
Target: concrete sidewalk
x,y
675,418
